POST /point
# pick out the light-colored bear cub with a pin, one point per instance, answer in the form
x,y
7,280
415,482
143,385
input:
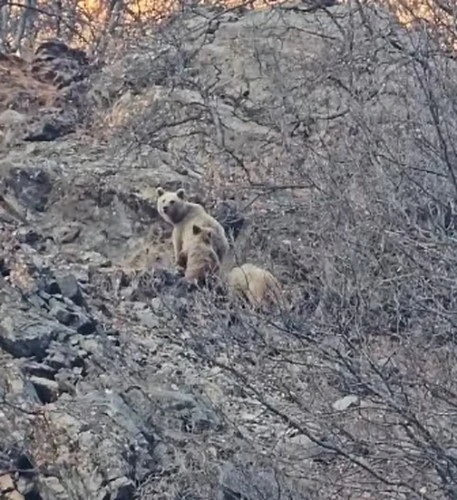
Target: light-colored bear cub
x,y
254,284
183,215
202,260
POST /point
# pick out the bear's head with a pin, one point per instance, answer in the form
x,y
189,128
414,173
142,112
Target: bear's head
x,y
202,234
172,206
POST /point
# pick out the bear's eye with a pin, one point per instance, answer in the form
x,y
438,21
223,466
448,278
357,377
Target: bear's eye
x,y
172,202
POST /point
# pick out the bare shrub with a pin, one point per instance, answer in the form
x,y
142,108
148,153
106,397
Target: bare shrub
x,y
369,234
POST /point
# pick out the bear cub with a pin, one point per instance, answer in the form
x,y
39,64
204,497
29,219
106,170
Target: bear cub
x,y
256,285
202,260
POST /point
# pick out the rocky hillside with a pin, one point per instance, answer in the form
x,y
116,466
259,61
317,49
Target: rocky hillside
x,y
324,140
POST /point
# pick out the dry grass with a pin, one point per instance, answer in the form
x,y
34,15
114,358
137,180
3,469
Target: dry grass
x,y
20,90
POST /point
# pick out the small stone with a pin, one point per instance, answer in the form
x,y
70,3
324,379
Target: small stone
x,y
14,495
86,325
39,262
90,346
53,487
157,305
37,301
68,234
28,236
194,415
63,315
78,320
148,318
58,360
69,288
82,275
301,447
38,369
96,259
122,488
345,403
139,306
6,483
25,337
47,390
52,288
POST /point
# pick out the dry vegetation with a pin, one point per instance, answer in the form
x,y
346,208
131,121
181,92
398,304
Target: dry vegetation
x,y
370,269
349,178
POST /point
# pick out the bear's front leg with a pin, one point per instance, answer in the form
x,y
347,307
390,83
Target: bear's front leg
x,y
181,260
177,245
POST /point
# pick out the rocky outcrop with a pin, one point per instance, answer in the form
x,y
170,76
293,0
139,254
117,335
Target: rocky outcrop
x,y
56,63
46,95
58,365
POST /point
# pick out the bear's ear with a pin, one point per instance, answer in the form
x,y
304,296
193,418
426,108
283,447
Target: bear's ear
x,y
196,229
180,193
160,191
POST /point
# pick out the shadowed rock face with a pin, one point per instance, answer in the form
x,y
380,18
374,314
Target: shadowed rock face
x,y
55,352
48,93
56,63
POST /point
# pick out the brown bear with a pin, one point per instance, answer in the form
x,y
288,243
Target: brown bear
x,y
254,284
202,260
183,215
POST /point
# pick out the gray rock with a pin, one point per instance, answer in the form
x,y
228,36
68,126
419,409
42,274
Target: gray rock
x,y
52,288
148,318
301,448
451,453
194,415
122,488
26,334
38,369
63,315
254,484
61,357
47,390
78,320
85,325
92,346
345,403
68,233
52,489
69,288
28,235
95,259
37,301
31,187
6,483
157,305
114,449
